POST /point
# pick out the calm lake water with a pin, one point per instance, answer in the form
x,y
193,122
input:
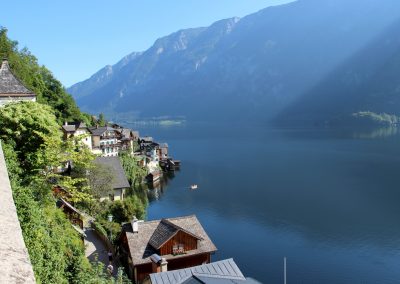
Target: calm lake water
x,y
328,200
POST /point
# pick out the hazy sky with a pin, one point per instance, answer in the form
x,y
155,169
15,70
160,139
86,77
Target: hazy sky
x,y
76,38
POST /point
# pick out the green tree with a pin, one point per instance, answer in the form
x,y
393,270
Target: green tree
x,y
133,171
24,125
100,180
101,121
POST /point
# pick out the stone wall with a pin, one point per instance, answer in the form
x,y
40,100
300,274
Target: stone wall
x,y
15,266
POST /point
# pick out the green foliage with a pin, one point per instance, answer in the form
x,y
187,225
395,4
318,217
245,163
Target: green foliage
x,y
34,151
123,211
32,130
99,228
24,125
381,118
55,248
133,171
101,121
112,229
100,180
40,80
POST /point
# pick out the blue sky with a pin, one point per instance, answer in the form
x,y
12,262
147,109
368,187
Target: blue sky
x,y
76,38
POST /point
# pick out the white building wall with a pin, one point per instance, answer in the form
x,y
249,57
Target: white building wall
x,y
7,100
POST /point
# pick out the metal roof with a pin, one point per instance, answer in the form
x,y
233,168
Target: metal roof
x,y
9,84
219,272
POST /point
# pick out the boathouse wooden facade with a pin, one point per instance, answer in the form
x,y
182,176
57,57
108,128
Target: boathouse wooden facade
x,y
179,242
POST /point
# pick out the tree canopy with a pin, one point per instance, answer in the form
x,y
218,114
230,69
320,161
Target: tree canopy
x,y
24,126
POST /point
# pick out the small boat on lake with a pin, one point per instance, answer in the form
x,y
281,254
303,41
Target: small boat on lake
x,y
193,186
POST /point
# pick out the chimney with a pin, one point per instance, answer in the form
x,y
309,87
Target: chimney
x,y
158,264
135,225
164,265
65,123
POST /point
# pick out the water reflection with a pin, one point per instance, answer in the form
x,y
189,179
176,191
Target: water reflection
x,y
158,188
382,132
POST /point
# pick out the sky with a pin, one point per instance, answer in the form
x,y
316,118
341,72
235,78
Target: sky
x,y
76,38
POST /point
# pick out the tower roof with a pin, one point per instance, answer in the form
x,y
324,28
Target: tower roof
x,y
9,84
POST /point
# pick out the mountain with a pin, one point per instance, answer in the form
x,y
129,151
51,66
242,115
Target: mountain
x,y
369,81
252,68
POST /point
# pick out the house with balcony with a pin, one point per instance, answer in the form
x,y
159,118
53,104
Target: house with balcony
x,y
105,141
181,242
78,130
128,139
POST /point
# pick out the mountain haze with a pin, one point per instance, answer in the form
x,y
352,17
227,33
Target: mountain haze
x,y
252,68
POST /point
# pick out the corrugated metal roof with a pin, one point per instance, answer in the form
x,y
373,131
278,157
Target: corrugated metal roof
x,y
224,271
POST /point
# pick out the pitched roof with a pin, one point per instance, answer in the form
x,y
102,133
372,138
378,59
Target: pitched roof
x,y
62,202
219,272
97,131
73,126
164,232
140,248
9,84
114,164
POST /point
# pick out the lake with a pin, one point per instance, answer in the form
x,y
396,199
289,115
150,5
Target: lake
x,y
327,199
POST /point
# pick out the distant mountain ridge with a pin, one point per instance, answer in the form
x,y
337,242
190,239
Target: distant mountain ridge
x,y
252,68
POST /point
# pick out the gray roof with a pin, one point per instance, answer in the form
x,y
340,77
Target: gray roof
x,y
114,163
73,126
164,232
140,248
219,272
9,84
98,131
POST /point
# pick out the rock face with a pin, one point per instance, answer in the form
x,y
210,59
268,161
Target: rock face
x,y
15,266
240,69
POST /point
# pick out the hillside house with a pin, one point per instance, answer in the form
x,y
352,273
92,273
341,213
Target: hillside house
x,y
78,129
128,139
105,141
162,151
119,183
181,242
11,89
